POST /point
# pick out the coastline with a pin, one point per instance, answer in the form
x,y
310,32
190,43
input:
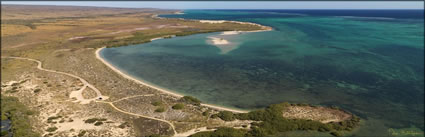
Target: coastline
x,y
127,76
263,28
115,69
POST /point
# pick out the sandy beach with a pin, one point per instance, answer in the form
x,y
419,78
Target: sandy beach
x,y
264,28
156,87
156,38
230,33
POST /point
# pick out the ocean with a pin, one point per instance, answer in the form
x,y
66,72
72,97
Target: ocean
x,y
368,62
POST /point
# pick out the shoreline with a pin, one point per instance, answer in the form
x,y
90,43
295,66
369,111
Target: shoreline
x,y
127,76
263,27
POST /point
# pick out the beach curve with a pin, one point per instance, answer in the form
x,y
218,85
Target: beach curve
x,y
163,90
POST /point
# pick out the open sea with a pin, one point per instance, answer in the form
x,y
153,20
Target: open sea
x,y
369,62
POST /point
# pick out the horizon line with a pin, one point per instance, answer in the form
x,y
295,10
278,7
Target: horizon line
x,y
210,9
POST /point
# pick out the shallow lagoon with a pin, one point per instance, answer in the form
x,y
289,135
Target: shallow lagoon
x,y
370,66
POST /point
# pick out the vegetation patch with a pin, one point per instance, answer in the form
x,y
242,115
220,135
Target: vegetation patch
x,y
160,109
272,122
206,113
82,133
98,123
222,132
93,120
157,103
225,115
191,100
37,90
17,112
178,106
52,129
154,135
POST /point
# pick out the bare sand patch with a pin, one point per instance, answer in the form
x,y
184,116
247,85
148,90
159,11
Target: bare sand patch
x,y
218,41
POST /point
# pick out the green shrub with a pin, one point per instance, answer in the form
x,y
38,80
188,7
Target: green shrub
x,y
14,110
91,120
98,123
206,113
4,133
37,90
214,116
154,135
335,133
3,117
178,106
160,109
81,133
52,129
157,103
226,115
222,132
191,100
273,122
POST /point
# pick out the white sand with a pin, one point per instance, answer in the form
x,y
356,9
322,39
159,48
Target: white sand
x,y
263,28
212,21
178,12
156,38
230,33
218,41
75,38
156,87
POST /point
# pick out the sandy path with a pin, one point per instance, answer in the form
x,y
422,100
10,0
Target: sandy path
x,y
162,120
74,94
78,95
148,95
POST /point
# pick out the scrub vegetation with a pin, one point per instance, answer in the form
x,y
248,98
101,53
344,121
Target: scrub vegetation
x,y
272,121
19,115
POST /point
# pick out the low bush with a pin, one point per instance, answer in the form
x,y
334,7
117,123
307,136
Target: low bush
x,y
157,103
222,132
52,129
81,133
178,106
206,113
273,122
226,115
191,100
98,123
37,90
159,110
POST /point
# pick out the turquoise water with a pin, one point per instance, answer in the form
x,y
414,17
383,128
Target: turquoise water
x,y
370,63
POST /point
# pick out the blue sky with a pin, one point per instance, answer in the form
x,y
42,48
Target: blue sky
x,y
237,4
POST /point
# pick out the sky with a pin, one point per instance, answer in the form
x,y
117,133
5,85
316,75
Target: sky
x,y
237,4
